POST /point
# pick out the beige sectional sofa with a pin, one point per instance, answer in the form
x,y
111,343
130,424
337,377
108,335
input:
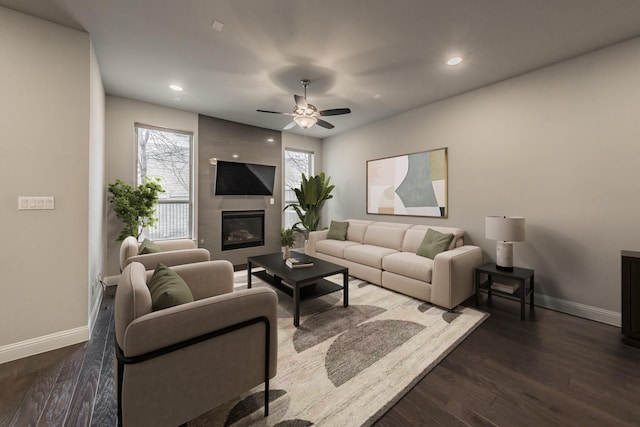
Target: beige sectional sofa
x,y
384,253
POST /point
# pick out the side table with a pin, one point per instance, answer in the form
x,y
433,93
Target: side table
x,y
519,275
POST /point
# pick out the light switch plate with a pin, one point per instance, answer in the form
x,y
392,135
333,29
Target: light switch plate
x,y
30,203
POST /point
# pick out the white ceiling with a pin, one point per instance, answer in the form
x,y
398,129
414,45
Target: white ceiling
x,y
351,50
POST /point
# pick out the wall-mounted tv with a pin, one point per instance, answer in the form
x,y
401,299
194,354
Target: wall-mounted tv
x,y
244,179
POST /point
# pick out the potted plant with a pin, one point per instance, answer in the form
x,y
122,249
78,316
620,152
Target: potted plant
x,y
311,195
135,206
287,239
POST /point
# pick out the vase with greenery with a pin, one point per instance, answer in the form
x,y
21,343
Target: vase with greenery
x,y
311,195
135,206
287,239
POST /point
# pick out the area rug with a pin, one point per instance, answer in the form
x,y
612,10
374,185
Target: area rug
x,y
347,366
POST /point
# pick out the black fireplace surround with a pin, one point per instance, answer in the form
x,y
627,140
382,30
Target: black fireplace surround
x,y
242,229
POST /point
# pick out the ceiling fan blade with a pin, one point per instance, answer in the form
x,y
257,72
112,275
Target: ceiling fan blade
x,y
324,124
335,112
274,112
289,126
301,102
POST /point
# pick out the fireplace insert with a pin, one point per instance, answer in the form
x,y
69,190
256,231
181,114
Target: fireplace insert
x,y
242,229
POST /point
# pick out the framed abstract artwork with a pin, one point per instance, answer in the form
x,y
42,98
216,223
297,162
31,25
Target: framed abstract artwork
x,y
411,184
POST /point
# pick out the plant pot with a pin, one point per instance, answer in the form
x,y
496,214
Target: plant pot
x,y
285,252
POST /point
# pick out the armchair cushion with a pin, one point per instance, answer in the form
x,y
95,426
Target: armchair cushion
x,y
168,289
433,243
148,247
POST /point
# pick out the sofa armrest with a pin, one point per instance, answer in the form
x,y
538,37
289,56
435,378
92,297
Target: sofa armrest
x,y
170,258
452,279
173,325
314,237
205,279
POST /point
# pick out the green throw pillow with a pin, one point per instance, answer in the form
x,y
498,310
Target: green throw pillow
x,y
434,243
338,230
168,289
148,247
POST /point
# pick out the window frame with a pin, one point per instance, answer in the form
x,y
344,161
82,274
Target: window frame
x,y
192,190
310,172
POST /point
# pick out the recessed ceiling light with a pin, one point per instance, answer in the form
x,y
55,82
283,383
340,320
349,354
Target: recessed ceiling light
x,y
270,140
176,88
235,156
454,61
217,26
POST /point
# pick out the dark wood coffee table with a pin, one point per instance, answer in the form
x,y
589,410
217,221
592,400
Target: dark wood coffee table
x,y
302,283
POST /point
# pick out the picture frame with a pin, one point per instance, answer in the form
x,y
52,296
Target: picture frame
x,y
410,184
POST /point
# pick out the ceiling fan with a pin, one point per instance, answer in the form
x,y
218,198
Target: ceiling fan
x,y
306,115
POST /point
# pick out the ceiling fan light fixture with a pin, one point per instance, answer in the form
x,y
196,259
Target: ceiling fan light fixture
x,y
305,122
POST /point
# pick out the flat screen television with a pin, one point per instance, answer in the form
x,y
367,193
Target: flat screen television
x,y
244,179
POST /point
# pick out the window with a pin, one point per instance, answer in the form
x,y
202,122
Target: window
x,y
167,154
295,164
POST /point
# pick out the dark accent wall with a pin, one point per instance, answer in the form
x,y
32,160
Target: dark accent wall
x,y
221,139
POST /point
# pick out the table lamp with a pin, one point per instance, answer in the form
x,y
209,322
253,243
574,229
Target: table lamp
x,y
506,230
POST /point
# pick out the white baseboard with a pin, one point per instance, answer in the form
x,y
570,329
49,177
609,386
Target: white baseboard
x,y
97,304
41,344
581,310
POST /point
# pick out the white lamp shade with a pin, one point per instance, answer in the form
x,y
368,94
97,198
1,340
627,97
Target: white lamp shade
x,y
505,228
305,122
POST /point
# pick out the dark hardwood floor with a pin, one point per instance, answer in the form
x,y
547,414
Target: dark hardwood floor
x,y
552,369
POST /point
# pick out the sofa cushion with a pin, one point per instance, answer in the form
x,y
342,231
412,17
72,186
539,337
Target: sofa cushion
x,y
357,229
168,289
410,265
148,247
338,230
433,243
384,235
334,247
367,254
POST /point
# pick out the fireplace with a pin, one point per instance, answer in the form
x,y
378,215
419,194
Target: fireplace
x,y
242,229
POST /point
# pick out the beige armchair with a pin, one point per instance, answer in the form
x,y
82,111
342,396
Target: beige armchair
x,y
174,252
175,364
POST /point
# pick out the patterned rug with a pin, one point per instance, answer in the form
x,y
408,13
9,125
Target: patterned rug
x,y
347,366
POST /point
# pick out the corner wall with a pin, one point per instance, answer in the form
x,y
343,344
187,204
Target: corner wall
x,y
45,122
97,225
559,146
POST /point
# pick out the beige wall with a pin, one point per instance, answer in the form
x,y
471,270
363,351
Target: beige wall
x,y
559,146
121,115
45,122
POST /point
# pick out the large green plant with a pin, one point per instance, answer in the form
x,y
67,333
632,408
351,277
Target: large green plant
x,y
135,206
311,195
